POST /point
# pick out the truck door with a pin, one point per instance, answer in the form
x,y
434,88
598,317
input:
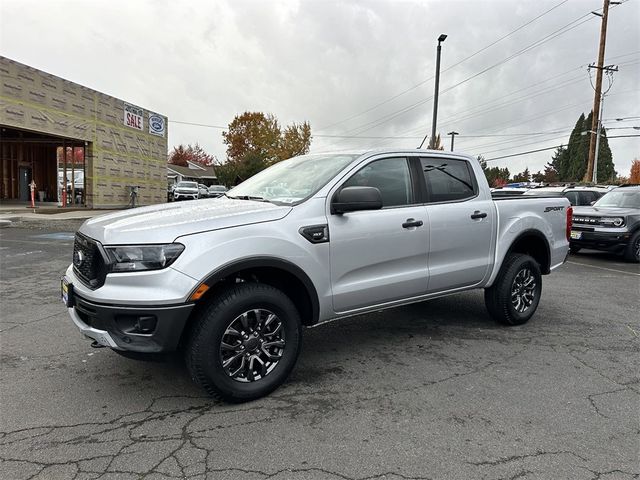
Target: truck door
x,y
461,224
379,256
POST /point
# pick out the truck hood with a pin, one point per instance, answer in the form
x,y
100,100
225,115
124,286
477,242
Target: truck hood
x,y
604,211
164,223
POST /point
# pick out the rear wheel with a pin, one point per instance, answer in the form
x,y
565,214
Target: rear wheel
x,y
515,294
245,344
632,250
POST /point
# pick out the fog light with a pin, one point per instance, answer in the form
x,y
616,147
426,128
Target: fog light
x,y
145,324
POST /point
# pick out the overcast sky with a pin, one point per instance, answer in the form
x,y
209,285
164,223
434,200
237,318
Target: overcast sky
x,y
339,66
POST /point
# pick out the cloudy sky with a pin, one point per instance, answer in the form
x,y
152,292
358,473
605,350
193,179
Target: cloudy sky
x,y
514,73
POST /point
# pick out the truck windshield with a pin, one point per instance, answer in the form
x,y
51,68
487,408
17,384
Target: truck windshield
x,y
620,198
292,181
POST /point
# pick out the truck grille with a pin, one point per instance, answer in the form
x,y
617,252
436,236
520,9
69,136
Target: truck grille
x,y
583,220
88,263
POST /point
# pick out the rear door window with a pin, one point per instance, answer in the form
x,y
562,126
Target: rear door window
x,y
448,180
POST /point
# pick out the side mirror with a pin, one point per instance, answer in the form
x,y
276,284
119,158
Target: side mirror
x,y
351,199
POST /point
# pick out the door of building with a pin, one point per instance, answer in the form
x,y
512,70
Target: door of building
x,y
24,175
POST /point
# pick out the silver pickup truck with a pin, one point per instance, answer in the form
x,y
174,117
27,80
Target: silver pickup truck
x,y
231,281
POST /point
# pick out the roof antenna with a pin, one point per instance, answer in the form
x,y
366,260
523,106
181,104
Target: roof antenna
x,y
422,143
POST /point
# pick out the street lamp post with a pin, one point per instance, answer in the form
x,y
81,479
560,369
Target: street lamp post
x,y
453,134
441,39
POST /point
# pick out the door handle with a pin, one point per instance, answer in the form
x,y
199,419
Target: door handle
x,y
475,215
412,223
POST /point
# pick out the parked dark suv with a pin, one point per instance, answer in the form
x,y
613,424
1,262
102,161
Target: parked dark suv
x,y
611,224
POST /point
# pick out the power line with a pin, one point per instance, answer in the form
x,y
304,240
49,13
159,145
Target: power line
x,y
478,110
198,124
561,31
413,87
548,148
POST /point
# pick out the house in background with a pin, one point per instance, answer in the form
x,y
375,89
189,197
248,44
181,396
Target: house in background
x,y
192,172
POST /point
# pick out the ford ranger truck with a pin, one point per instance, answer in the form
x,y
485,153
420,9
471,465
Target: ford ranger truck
x,y
232,281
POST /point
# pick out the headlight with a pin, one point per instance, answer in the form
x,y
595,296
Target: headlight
x,y
615,221
136,258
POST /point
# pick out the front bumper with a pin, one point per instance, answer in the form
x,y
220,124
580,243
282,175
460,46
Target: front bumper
x,y
137,329
610,241
185,196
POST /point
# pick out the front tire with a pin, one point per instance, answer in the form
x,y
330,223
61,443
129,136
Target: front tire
x,y
514,296
245,343
632,250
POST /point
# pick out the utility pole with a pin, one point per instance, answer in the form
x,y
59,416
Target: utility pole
x,y
595,158
598,88
453,134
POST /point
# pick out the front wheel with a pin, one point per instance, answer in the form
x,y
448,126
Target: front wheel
x,y
514,296
245,344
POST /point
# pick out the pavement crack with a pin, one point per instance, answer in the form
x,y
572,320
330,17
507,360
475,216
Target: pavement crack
x,y
513,458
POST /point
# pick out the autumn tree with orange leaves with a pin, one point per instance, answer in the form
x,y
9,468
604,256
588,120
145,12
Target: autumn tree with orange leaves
x,y
634,175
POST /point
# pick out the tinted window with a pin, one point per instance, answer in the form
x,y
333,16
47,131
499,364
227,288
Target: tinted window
x,y
447,180
390,176
587,197
574,198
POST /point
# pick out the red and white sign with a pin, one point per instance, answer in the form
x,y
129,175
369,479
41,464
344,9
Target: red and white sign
x,y
133,117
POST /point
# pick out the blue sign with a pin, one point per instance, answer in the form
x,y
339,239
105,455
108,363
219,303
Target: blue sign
x,y
156,125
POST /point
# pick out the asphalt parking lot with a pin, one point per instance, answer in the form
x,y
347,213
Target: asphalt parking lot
x,y
433,390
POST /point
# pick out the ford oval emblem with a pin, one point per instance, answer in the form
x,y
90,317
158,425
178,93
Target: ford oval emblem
x,y
156,123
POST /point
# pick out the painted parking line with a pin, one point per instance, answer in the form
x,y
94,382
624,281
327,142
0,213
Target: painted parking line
x,y
56,236
604,268
3,240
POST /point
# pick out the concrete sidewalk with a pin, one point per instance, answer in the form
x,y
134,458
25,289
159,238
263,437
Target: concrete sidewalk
x,y
9,214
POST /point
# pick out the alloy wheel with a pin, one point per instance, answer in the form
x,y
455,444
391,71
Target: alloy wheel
x,y
523,290
252,345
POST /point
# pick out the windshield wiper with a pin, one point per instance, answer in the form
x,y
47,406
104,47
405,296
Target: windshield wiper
x,y
441,168
249,197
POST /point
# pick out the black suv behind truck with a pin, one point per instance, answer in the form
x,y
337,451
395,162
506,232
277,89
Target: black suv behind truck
x,y
611,224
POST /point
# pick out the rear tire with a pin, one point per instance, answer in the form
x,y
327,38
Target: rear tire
x,y
574,249
632,250
245,343
514,296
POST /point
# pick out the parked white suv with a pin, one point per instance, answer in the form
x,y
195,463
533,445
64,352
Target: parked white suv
x,y
186,191
231,281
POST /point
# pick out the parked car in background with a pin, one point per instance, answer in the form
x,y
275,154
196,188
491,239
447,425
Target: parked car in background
x,y
216,191
203,191
578,196
186,191
611,224
508,191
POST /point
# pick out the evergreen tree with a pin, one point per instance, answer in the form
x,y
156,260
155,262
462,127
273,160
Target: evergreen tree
x,y
559,162
523,176
570,163
577,151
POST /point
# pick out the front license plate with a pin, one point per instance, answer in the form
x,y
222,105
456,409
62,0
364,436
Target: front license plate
x,y
66,292
576,235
